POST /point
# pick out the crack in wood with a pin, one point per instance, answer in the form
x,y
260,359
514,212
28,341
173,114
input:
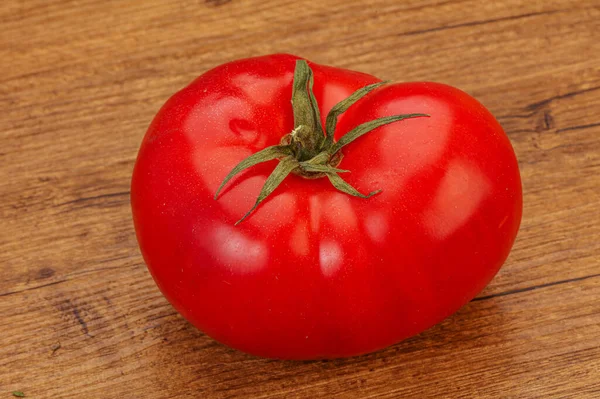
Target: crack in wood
x,y
93,198
535,287
32,288
475,23
580,127
540,104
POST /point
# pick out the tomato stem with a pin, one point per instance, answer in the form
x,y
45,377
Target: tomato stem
x,y
308,131
307,150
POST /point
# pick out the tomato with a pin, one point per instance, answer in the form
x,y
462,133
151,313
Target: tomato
x,y
314,272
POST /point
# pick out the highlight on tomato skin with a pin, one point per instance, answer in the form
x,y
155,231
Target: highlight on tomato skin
x,y
298,211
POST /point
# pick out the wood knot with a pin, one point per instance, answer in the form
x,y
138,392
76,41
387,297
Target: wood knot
x,y
45,273
545,121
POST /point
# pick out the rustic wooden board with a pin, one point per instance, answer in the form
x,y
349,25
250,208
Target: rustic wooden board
x,y
80,316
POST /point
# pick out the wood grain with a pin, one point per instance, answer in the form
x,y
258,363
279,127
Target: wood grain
x,y
81,79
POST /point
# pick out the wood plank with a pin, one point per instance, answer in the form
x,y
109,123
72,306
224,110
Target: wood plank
x,y
82,79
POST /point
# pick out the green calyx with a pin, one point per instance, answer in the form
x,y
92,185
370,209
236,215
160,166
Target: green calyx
x,y
307,150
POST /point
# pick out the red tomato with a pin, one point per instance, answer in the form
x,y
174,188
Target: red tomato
x,y
315,272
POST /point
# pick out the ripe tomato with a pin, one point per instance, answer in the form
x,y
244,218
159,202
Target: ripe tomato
x,y
314,272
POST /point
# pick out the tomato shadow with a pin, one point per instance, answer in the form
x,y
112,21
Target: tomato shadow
x,y
188,362
478,322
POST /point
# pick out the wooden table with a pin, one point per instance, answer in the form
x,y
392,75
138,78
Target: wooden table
x,y
81,80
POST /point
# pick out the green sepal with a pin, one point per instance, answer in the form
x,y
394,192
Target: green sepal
x,y
342,107
307,167
283,169
345,187
366,127
268,154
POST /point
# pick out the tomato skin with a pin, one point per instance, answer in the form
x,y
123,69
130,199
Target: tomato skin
x,y
315,273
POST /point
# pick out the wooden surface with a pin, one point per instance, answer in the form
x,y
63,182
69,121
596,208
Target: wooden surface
x,y
80,316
